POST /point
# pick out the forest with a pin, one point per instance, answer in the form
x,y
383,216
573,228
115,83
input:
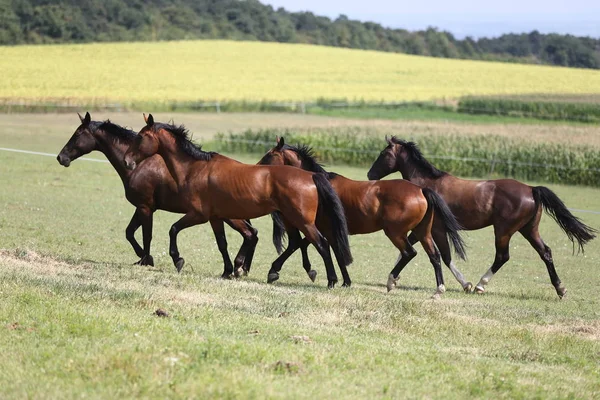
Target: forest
x,y
81,21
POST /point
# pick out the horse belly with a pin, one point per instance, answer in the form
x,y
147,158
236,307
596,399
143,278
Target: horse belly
x,y
361,218
240,207
362,226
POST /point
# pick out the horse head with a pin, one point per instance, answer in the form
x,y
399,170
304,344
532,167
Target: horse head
x,y
82,142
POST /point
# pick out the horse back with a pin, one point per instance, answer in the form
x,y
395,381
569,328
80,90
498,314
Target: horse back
x,y
400,194
480,203
245,191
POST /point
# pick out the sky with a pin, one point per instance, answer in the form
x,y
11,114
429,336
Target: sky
x,y
464,17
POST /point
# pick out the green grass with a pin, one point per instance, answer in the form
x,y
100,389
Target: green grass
x,y
77,319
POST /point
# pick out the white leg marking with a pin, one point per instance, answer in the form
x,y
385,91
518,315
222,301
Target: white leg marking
x,y
457,274
391,283
484,280
438,293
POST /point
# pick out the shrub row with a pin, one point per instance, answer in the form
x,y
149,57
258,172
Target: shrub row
x,y
468,156
574,111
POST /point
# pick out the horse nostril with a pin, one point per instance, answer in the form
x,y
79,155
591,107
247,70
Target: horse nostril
x,y
64,161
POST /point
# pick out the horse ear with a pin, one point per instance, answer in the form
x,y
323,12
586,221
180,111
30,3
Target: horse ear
x,y
388,140
149,119
280,142
86,120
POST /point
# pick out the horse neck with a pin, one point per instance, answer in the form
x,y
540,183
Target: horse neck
x,y
114,150
412,173
295,162
178,162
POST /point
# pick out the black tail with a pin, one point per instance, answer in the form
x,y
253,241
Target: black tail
x,y
330,204
279,231
442,211
570,224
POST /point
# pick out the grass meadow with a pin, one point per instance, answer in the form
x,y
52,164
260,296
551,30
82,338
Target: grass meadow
x,y
77,319
155,73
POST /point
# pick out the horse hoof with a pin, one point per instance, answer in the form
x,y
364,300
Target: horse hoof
x,y
561,291
479,289
179,264
245,272
391,283
436,296
468,288
346,284
145,260
239,272
227,276
312,274
331,284
272,277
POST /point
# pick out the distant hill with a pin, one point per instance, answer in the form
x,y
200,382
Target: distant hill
x,y
76,21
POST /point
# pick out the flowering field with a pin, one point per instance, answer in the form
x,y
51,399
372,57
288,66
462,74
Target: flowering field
x,y
225,70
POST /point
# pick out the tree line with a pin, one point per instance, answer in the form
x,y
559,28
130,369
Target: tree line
x,y
79,21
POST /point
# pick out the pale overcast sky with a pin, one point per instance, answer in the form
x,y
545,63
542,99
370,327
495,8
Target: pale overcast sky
x,y
464,17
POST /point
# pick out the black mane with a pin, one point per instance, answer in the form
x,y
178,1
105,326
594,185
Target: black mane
x,y
417,158
182,137
308,159
116,131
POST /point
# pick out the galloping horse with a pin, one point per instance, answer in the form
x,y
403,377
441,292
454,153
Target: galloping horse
x,y
149,188
396,206
215,187
506,204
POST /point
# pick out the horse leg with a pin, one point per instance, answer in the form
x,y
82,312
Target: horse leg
x,y
407,253
441,241
219,231
312,274
345,274
133,226
318,240
533,237
243,259
186,221
502,256
252,242
434,258
147,222
294,241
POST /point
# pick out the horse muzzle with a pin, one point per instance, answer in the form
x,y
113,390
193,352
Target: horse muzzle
x,y
63,160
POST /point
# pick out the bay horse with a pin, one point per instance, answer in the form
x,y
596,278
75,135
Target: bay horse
x,y
394,206
215,187
508,205
149,188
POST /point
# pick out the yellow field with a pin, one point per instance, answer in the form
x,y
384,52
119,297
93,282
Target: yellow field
x,y
226,70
